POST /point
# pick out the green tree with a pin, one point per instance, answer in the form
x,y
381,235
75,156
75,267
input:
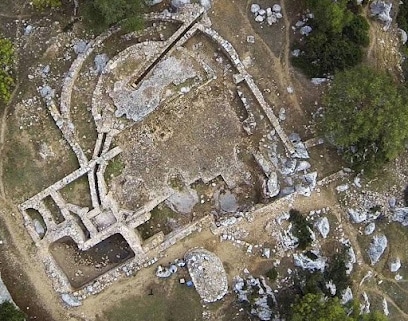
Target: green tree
x,y
6,64
8,312
332,16
337,40
366,117
101,14
301,228
314,307
42,4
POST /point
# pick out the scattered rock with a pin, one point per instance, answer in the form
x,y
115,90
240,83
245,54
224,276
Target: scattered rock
x,y
259,18
47,92
80,47
401,215
395,265
255,8
28,29
266,252
100,62
258,294
323,226
392,202
318,81
307,263
346,296
403,36
357,216
282,114
276,8
302,166
305,30
46,70
342,188
250,39
272,185
385,307
179,3
331,287
296,53
153,2
369,229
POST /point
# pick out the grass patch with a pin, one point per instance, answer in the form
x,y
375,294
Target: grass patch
x,y
177,304
158,221
78,192
396,293
113,169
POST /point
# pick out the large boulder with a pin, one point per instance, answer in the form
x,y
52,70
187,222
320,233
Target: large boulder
x,y
179,3
272,185
323,226
369,229
401,215
377,247
309,264
357,216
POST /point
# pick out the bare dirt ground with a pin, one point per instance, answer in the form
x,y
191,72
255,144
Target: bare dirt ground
x,y
272,71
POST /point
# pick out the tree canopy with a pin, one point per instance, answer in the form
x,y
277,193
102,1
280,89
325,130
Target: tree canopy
x,y
366,117
8,312
6,69
313,307
101,14
336,41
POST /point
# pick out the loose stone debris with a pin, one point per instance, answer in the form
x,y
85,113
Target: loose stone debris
x,y
208,274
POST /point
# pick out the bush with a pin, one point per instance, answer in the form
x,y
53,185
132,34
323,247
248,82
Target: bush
x,y
42,4
6,70
357,31
337,271
301,228
8,312
102,14
336,41
272,274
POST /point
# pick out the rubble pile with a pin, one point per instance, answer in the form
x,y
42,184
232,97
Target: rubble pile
x,y
207,273
271,14
256,292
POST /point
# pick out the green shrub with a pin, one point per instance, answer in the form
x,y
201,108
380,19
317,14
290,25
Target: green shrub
x,y
301,228
272,274
336,42
8,312
42,4
366,117
6,69
102,14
